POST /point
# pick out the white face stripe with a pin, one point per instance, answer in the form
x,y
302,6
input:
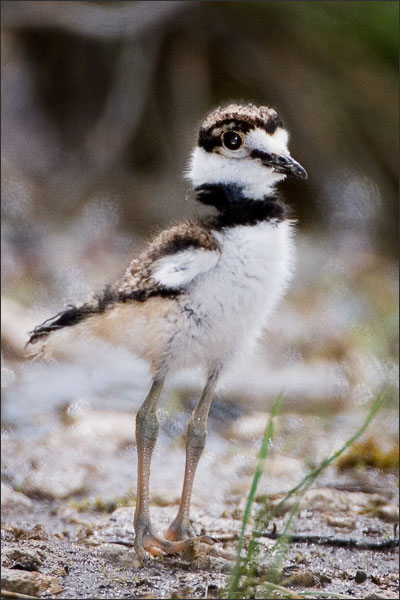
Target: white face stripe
x,y
224,167
276,143
247,173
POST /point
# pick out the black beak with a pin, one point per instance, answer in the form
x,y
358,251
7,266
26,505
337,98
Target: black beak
x,y
281,163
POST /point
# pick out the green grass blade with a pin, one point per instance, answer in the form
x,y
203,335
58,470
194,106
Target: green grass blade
x,y
262,456
245,566
312,475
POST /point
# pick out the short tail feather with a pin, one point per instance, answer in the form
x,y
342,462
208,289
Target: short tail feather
x,y
72,315
65,318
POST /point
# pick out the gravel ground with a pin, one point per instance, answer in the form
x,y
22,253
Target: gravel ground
x,y
69,534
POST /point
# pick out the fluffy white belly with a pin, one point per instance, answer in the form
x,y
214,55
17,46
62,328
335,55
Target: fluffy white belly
x,y
227,307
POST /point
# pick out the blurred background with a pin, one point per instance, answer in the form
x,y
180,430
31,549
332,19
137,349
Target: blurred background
x,y
101,102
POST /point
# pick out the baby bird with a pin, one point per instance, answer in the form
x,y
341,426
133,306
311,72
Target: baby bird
x,y
201,291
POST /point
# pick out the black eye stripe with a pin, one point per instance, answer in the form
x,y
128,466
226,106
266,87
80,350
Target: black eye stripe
x,y
229,125
273,123
208,141
211,138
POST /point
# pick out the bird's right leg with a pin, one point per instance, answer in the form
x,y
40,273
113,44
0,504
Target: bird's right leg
x,y
146,436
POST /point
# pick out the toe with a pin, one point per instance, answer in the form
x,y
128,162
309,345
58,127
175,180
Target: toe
x,y
164,546
154,551
206,539
192,547
140,553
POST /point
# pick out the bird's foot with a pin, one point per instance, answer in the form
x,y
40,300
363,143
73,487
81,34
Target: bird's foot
x,y
179,531
189,548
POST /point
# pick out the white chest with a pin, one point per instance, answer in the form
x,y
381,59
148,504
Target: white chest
x,y
232,302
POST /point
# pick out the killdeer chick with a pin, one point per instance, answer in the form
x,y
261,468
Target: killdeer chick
x,y
201,291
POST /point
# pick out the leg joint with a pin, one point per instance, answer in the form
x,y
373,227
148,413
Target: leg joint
x,y
196,434
147,425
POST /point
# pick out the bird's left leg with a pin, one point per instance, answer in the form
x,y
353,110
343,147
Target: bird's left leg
x,y
195,442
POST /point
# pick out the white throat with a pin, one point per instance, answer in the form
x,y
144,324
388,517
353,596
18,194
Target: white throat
x,y
255,179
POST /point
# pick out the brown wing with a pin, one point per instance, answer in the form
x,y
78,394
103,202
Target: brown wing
x,y
140,275
139,281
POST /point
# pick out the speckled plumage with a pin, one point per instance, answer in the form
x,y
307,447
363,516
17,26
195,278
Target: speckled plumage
x,y
256,116
139,274
201,292
138,283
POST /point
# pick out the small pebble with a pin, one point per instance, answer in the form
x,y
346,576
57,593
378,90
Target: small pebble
x,y
341,522
28,560
300,558
29,583
360,576
38,532
388,512
303,579
60,572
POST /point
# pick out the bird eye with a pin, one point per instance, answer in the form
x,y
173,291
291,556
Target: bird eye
x,y
232,140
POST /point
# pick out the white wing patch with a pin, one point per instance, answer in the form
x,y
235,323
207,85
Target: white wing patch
x,y
179,269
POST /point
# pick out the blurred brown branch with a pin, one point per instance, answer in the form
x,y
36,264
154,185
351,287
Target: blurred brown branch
x,y
122,19
125,102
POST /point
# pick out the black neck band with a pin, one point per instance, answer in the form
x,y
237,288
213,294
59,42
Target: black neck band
x,y
235,209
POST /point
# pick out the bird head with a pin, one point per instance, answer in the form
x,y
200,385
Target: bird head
x,y
243,146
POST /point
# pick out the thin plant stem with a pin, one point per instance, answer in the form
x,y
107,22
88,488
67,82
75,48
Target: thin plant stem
x,y
312,475
265,515
262,456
